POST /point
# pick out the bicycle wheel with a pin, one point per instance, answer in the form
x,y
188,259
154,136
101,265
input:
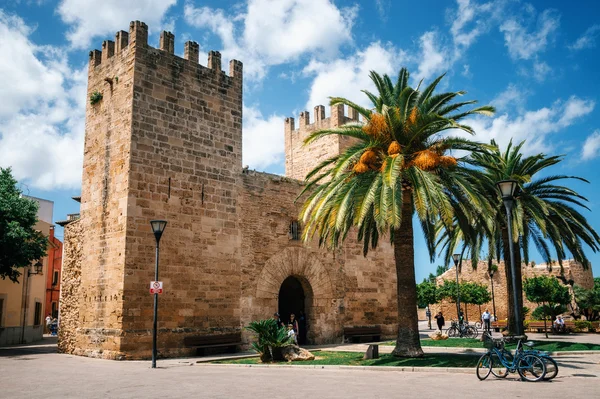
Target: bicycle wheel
x,y
531,368
478,325
498,369
484,367
452,332
471,332
551,367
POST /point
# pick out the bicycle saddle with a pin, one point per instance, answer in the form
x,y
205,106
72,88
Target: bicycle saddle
x,y
529,344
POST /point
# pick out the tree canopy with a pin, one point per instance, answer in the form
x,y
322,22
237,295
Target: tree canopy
x,y
589,300
20,243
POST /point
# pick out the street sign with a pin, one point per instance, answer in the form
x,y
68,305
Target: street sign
x,y
156,287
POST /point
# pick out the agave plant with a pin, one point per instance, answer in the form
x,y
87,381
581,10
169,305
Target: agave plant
x,y
270,339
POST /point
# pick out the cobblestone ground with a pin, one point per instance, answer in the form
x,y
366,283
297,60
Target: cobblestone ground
x,y
37,371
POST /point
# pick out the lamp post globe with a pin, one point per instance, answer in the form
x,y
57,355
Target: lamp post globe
x,y
158,227
507,190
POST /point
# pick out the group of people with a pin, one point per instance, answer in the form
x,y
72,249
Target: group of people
x,y
295,326
486,319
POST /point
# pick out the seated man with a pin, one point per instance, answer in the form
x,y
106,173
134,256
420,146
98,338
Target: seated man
x,y
559,324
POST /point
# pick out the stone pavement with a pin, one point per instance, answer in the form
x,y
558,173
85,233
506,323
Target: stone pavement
x,y
37,371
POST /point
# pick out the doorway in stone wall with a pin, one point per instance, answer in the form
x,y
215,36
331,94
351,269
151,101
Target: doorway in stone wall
x,y
292,299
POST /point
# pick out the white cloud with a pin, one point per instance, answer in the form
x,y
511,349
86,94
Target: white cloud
x,y
533,126
346,77
273,32
587,40
263,141
526,45
541,70
469,14
89,18
383,8
513,98
435,59
591,147
42,127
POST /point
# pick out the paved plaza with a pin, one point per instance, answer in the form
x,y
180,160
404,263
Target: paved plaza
x,y
56,375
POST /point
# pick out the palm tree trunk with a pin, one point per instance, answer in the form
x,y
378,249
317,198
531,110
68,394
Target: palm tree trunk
x,y
512,327
407,344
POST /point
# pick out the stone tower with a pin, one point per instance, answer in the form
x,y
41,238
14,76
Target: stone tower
x,y
164,141
301,159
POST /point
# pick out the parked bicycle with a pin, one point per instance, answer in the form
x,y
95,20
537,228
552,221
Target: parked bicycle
x,y
551,365
461,330
499,361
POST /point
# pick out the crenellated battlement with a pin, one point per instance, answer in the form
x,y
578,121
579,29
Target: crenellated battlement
x,y
137,38
300,159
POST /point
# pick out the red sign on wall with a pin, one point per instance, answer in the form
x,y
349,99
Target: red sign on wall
x,y
156,287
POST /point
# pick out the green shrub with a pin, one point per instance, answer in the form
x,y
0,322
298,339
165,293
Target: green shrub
x,y
584,325
270,339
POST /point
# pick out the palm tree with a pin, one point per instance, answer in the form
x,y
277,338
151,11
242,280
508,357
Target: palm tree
x,y
544,215
398,165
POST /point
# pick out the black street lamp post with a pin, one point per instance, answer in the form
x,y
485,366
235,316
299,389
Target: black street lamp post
x,y
491,272
457,259
158,226
507,190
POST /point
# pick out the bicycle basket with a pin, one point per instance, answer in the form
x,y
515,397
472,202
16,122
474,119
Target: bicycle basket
x,y
489,342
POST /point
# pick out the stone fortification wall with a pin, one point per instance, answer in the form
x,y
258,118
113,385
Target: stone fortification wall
x,y
301,159
572,271
342,287
70,294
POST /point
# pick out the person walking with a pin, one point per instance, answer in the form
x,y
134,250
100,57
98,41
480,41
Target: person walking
x,y
439,318
485,319
294,324
48,322
278,320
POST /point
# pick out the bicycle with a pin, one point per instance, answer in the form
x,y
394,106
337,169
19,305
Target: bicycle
x,y
499,361
461,330
551,365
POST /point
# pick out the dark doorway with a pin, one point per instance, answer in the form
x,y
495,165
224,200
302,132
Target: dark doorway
x,y
291,300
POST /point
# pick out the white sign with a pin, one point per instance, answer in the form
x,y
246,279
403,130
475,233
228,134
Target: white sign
x,y
156,287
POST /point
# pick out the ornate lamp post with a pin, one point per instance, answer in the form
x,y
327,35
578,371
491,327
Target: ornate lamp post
x,y
158,226
457,258
491,272
507,190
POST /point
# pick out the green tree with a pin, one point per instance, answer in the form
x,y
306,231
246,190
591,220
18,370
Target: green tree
x,y
589,300
398,165
470,293
427,296
545,215
441,269
478,294
550,295
20,243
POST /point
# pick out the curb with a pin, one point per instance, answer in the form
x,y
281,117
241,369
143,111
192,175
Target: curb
x,y
456,370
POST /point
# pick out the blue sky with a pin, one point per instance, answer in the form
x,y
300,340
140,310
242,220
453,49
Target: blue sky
x,y
537,62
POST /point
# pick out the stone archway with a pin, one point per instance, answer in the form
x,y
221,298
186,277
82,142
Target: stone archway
x,y
321,306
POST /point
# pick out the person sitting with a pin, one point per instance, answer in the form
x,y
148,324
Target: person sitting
x,y
559,324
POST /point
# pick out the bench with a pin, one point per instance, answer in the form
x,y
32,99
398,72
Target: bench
x,y
359,333
498,325
202,342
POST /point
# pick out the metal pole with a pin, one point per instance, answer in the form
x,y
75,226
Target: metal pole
x,y
493,298
458,293
154,326
508,203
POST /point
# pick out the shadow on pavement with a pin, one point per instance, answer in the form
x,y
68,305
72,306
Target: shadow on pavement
x,y
45,346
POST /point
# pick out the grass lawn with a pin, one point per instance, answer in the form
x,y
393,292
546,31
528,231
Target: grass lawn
x,y
356,359
549,346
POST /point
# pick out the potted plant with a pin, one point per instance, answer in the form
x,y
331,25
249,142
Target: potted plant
x,y
271,338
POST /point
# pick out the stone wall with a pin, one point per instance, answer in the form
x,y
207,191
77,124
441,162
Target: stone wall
x,y
301,159
572,271
343,287
70,294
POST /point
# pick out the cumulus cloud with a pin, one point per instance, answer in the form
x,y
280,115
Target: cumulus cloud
x,y
587,40
525,45
346,77
591,146
435,59
263,141
42,127
272,32
533,126
90,18
513,98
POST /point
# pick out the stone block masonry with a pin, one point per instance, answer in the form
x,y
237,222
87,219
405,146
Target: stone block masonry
x,y
165,142
572,271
